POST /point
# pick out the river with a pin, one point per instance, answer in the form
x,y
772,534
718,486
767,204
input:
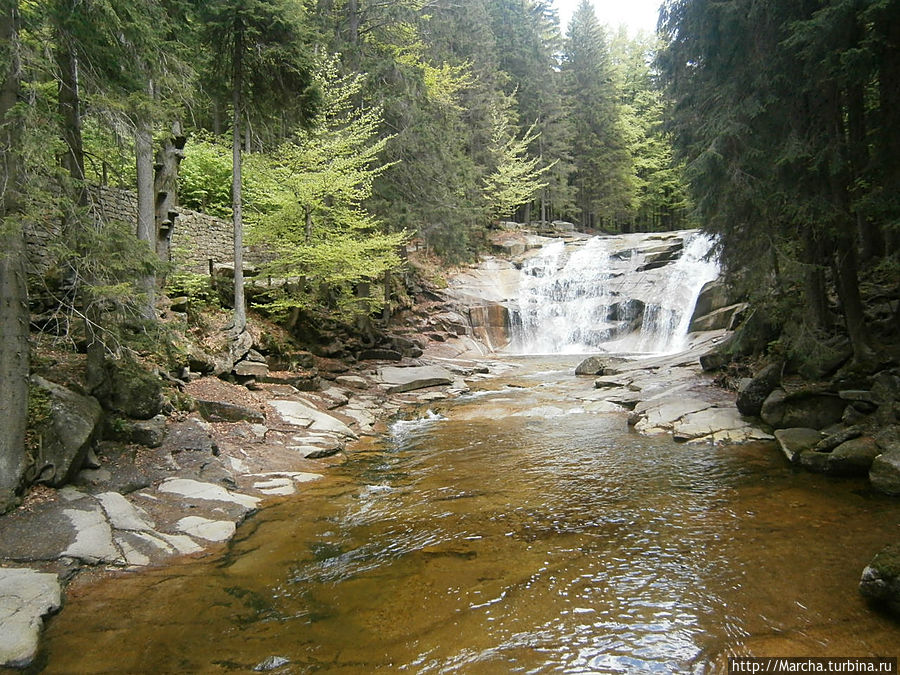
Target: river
x,y
509,532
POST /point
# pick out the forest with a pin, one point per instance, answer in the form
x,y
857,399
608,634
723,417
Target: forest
x,y
338,133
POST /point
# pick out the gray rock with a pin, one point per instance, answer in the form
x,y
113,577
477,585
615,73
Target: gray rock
x,y
885,472
150,433
67,434
400,380
815,410
853,457
753,392
25,597
833,440
305,416
352,381
251,369
714,295
204,528
880,580
718,319
795,440
708,422
592,365
193,489
93,538
123,515
130,390
218,411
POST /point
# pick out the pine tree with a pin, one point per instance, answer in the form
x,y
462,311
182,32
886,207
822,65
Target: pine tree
x,y
603,171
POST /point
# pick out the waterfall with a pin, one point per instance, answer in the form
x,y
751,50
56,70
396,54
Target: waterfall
x,y
626,293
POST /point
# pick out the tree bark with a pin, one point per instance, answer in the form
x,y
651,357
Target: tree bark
x,y
14,347
240,310
146,215
851,302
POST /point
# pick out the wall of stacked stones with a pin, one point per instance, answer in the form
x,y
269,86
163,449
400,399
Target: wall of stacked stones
x,y
197,238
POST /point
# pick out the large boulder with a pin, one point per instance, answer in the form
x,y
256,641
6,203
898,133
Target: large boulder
x,y
753,391
880,581
815,410
885,472
130,390
592,365
853,457
66,433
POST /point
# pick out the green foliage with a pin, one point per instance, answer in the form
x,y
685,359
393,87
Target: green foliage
x,y
516,177
307,200
205,176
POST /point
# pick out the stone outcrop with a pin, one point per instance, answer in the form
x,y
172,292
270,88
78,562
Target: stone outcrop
x,y
66,435
884,473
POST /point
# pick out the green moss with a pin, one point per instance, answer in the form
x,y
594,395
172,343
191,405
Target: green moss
x,y
887,562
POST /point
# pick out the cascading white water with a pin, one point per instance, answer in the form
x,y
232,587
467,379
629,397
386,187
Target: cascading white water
x,y
590,297
666,323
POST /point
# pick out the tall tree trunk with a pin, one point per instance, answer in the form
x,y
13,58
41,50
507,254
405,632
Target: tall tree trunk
x,y
146,214
871,239
14,348
845,268
240,310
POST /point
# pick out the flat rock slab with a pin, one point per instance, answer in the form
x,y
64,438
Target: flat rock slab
x,y
665,412
303,415
25,597
194,489
93,537
123,515
399,380
204,528
708,422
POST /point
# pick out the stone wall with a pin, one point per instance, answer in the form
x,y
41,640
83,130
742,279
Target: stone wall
x,y
197,237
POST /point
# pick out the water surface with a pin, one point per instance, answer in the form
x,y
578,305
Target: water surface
x,y
510,532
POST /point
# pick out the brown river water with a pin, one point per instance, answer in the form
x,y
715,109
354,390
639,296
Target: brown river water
x,y
511,534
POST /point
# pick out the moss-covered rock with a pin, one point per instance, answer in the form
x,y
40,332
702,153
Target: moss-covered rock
x,y
130,390
880,581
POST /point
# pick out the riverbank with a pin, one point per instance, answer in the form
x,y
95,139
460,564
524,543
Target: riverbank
x,y
505,528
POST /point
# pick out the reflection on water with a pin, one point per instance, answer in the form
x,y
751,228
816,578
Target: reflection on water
x,y
479,541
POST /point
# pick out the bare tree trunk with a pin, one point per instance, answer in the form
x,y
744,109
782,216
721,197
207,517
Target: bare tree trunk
x,y
146,215
240,310
14,348
851,302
